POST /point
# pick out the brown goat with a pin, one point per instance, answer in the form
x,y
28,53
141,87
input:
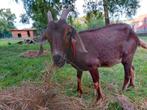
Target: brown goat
x,y
88,50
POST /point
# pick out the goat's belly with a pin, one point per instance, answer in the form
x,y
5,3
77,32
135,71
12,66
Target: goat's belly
x,y
110,63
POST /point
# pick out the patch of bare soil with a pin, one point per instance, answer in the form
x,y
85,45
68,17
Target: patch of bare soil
x,y
33,54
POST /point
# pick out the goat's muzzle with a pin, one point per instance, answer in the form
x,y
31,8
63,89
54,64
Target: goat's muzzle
x,y
58,60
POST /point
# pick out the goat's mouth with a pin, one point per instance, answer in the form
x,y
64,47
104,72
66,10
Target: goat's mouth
x,y
58,60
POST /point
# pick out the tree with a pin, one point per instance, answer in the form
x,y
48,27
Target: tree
x,y
116,8
24,19
119,8
106,12
37,10
6,21
94,17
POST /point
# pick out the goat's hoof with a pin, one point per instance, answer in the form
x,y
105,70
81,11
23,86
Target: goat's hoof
x,y
128,87
100,99
80,94
124,88
131,86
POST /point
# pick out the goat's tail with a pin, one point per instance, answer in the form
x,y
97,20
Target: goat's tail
x,y
143,44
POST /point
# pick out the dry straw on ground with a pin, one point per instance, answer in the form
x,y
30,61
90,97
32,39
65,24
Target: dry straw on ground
x,y
31,96
34,97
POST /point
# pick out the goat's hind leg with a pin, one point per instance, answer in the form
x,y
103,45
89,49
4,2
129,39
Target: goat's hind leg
x,y
132,83
128,70
127,76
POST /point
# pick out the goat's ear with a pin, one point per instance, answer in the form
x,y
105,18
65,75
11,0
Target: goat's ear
x,y
77,42
46,35
80,45
73,45
69,38
70,33
73,38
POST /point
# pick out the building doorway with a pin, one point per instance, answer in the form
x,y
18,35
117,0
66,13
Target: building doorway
x,y
28,32
19,35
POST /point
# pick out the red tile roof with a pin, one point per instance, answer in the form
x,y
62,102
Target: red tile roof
x,y
31,29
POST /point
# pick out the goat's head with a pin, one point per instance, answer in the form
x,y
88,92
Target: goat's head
x,y
62,38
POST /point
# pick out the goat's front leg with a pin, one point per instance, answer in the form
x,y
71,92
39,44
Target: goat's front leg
x,y
41,49
43,38
79,89
95,76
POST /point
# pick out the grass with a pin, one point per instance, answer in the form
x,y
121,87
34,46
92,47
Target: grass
x,y
7,41
15,69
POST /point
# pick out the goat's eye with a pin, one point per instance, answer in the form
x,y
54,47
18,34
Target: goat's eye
x,y
68,35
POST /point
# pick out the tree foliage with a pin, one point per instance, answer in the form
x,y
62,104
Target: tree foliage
x,y
93,10
6,20
24,19
126,8
112,9
37,10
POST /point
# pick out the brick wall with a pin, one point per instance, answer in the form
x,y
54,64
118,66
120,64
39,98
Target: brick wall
x,y
22,33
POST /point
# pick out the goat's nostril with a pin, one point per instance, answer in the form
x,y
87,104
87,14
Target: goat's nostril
x,y
56,58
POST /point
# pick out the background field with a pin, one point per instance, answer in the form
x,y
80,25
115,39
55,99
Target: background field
x,y
15,69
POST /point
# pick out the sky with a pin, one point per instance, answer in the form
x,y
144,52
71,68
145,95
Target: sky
x,y
18,9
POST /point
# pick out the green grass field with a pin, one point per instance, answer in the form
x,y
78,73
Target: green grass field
x,y
15,69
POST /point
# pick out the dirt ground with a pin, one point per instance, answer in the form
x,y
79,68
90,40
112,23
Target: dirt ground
x,y
33,54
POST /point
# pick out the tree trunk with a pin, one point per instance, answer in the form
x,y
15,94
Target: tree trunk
x,y
106,13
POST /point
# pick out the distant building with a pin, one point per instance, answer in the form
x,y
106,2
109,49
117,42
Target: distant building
x,y
23,33
139,24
